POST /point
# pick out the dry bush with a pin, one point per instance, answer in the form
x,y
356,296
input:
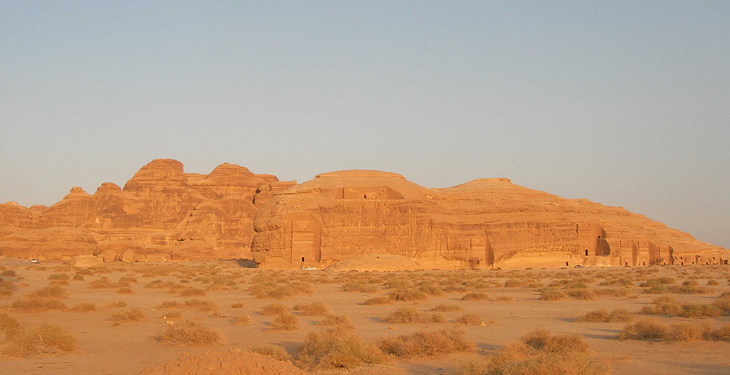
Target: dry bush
x,y
237,305
201,305
189,333
431,290
101,283
475,296
241,319
337,320
604,316
622,292
542,341
552,295
312,309
512,283
172,315
133,315
116,305
49,292
645,329
84,307
191,292
78,278
585,294
712,282
285,322
59,276
276,352
446,308
273,309
378,301
504,299
46,338
723,302
337,349
474,319
426,343
407,295
8,273
411,315
85,272
125,291
690,289
37,304
8,322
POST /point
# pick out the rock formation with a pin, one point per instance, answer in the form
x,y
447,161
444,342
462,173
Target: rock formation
x,y
163,213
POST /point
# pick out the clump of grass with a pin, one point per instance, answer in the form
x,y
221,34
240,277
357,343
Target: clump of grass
x,y
473,319
604,316
475,296
552,295
133,315
58,276
504,299
101,283
337,349
712,282
273,309
407,295
190,333
411,315
125,291
337,320
49,292
191,292
285,322
312,309
689,289
723,302
431,290
37,304
645,329
378,301
426,343
276,352
84,307
446,308
44,339
585,294
116,305
8,322
237,305
241,319
700,311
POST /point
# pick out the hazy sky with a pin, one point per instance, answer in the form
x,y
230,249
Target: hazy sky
x,y
621,102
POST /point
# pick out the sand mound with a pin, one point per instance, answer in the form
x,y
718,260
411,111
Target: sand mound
x,y
233,362
377,262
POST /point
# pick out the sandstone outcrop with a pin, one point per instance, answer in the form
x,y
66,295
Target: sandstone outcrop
x,y
163,213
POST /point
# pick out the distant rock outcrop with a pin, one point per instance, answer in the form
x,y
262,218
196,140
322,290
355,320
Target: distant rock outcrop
x,y
356,216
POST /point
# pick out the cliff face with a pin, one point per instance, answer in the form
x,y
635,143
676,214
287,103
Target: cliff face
x,y
483,223
163,213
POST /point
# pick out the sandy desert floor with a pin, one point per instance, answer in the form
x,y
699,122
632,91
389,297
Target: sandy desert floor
x,y
224,291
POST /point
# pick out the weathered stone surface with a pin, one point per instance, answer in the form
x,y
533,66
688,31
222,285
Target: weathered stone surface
x,y
129,256
110,256
483,223
52,243
84,261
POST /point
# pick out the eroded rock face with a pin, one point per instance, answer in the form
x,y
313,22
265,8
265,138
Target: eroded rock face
x,y
483,223
161,214
164,214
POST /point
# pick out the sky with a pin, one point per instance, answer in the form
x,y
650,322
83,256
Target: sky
x,y
626,103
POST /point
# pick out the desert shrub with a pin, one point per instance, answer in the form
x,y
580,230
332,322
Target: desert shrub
x,y
446,308
78,278
191,292
49,292
426,343
241,319
712,282
431,290
378,301
285,322
125,291
723,302
504,299
273,309
685,331
411,315
237,305
585,294
337,349
37,304
689,289
8,322
721,334
200,305
85,272
133,315
407,295
189,333
513,283
622,292
101,283
46,338
700,311
645,329
115,305
276,352
172,315
474,319
552,295
58,276
337,320
475,296
604,316
84,307
312,309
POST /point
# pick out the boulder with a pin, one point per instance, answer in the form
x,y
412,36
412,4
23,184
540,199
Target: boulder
x,y
84,261
129,256
110,256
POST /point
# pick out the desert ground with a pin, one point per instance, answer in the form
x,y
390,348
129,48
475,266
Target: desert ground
x,y
123,318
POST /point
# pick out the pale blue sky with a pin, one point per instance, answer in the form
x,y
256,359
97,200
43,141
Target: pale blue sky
x,y
621,102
